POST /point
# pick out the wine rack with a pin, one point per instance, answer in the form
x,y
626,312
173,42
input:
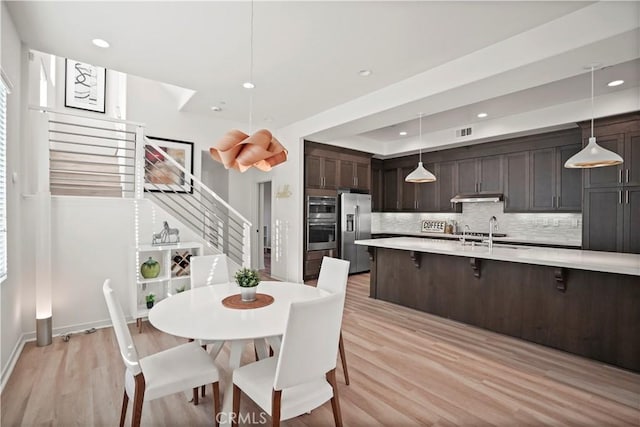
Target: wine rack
x,y
174,276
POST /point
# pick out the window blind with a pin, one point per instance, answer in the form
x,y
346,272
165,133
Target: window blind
x,y
3,181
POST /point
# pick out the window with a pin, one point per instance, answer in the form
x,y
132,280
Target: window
x,y
3,181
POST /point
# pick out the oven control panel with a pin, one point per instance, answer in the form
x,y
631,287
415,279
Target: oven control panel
x,y
431,226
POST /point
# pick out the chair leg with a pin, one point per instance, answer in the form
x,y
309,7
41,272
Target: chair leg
x,y
202,389
138,399
343,359
276,400
236,405
216,403
125,403
195,396
335,403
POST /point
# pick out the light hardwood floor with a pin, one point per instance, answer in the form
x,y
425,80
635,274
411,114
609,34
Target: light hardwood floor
x,y
406,369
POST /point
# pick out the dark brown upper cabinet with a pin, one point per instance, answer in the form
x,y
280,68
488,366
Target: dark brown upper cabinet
x,y
321,172
554,187
516,182
377,185
391,199
480,175
447,187
354,173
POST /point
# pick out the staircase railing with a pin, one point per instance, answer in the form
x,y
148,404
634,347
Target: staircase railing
x,y
107,157
185,196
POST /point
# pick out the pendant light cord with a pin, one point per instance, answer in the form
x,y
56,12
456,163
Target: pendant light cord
x,y
251,72
593,112
420,140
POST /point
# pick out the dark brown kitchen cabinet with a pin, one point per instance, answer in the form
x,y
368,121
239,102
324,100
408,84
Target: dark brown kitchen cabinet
x,y
612,193
631,220
611,219
377,185
480,175
354,173
447,187
554,187
427,192
321,172
516,182
621,135
408,201
569,181
391,200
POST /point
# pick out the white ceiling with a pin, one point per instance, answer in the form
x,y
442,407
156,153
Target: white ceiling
x,y
307,55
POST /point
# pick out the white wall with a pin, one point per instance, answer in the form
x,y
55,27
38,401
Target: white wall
x,y
149,102
10,290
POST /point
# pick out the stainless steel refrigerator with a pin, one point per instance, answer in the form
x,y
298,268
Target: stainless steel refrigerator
x,y
355,224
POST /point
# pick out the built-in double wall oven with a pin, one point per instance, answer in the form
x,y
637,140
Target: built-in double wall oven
x,y
322,220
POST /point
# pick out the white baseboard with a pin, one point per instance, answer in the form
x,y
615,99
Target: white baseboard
x,y
31,336
15,354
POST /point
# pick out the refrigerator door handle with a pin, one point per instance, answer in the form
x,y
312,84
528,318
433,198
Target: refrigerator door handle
x,y
357,224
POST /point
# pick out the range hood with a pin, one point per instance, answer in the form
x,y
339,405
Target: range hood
x,y
477,198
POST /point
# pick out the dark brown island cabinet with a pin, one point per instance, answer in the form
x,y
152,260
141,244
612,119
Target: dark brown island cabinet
x,y
589,313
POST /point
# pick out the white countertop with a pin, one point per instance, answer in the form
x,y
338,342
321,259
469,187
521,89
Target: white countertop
x,y
609,262
507,239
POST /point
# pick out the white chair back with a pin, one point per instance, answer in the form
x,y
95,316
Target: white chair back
x,y
209,270
310,341
334,274
123,336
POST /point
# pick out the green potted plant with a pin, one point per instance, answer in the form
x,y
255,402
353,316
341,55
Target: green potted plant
x,y
248,280
151,298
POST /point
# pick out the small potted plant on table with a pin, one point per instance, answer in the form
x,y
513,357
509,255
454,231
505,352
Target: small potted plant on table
x,y
248,280
151,298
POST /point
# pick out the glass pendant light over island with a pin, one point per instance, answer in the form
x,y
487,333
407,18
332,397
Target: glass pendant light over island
x,y
420,174
593,155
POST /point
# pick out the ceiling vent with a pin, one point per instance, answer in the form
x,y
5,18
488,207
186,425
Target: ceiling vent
x,y
463,132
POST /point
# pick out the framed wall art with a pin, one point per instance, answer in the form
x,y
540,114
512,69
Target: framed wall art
x,y
85,86
162,175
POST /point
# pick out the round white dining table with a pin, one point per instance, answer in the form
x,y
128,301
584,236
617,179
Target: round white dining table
x,y
199,314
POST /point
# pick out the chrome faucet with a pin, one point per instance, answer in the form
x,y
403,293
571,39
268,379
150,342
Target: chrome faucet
x,y
492,224
463,239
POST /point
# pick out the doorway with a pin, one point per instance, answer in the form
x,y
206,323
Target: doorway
x,y
264,227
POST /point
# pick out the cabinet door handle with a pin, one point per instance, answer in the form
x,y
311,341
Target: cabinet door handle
x,y
626,197
620,176
627,176
557,201
479,187
620,196
553,201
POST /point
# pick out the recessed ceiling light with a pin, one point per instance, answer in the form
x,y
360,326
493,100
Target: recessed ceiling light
x,y
248,85
364,73
615,83
216,108
482,115
403,133
100,43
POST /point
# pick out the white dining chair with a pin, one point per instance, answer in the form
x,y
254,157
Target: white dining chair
x,y
303,376
207,270
333,277
180,368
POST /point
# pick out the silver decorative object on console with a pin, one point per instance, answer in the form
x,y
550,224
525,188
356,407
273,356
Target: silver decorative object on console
x,y
168,235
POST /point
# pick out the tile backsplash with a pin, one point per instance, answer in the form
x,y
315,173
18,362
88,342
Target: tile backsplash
x,y
563,228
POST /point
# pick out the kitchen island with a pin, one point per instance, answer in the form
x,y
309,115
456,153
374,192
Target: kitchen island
x,y
582,302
